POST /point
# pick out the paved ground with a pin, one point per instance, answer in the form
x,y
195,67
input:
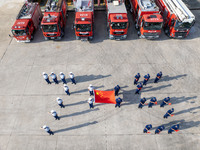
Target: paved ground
x,y
25,98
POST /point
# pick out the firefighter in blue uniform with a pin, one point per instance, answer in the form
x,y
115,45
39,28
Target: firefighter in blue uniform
x,y
169,113
159,129
118,102
117,89
139,87
165,102
147,128
158,76
137,77
152,102
146,79
173,128
142,102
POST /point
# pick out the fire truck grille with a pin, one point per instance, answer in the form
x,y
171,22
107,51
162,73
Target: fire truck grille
x,y
151,34
51,35
82,34
180,34
118,32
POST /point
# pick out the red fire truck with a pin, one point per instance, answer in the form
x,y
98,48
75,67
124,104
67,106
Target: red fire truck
x,y
178,19
27,22
54,20
84,19
117,20
148,20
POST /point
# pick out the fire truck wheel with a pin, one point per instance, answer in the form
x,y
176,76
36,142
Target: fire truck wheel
x,y
136,26
32,37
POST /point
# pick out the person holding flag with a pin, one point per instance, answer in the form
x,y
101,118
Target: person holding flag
x,y
142,102
173,128
90,89
139,87
159,75
147,128
146,79
165,102
169,113
137,77
90,102
159,129
118,102
152,102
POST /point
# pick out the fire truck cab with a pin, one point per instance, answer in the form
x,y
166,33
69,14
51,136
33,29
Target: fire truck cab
x,y
27,22
117,20
148,20
84,19
178,19
54,20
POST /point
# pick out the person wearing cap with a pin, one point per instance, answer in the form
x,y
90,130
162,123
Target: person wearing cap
x,y
54,114
71,75
142,102
47,129
60,102
90,102
165,102
62,77
118,102
173,128
152,102
158,76
117,89
46,77
139,87
159,129
146,79
147,128
66,88
169,113
90,89
54,77
137,77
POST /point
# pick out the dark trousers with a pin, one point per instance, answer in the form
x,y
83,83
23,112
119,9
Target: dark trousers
x,y
50,132
55,80
145,82
156,80
145,131
135,81
61,105
157,131
48,81
91,105
170,131
116,92
166,115
140,105
73,81
56,117
117,105
162,104
67,92
150,105
137,91
64,81
91,93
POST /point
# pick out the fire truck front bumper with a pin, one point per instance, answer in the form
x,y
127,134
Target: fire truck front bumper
x,y
117,37
23,41
151,35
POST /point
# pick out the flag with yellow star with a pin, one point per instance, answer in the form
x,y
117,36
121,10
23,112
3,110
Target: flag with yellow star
x,y
104,96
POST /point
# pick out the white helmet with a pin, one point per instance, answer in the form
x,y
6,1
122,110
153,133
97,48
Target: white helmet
x,y
90,99
44,126
65,84
52,72
90,85
70,73
44,73
58,98
61,72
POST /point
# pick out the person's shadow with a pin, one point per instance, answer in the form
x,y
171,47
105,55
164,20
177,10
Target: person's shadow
x,y
176,100
186,110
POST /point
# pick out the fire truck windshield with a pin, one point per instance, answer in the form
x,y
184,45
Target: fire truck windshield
x,y
152,25
19,32
83,27
119,25
49,28
184,25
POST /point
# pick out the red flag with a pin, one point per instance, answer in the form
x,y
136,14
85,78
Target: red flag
x,y
104,96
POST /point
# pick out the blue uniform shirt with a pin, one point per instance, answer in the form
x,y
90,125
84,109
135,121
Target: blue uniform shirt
x,y
175,127
118,100
148,127
170,111
147,76
143,100
167,99
139,86
137,76
160,128
153,100
159,75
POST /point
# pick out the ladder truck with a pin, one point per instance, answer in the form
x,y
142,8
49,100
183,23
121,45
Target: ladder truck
x,y
84,19
178,19
54,20
148,20
117,20
27,21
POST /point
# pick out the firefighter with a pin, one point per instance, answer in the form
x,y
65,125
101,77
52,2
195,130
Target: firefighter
x,y
60,102
173,128
146,79
54,114
90,89
147,128
46,77
62,77
152,102
165,102
66,88
118,102
158,76
90,102
142,102
117,89
139,87
47,129
169,113
54,77
159,129
137,77
71,75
